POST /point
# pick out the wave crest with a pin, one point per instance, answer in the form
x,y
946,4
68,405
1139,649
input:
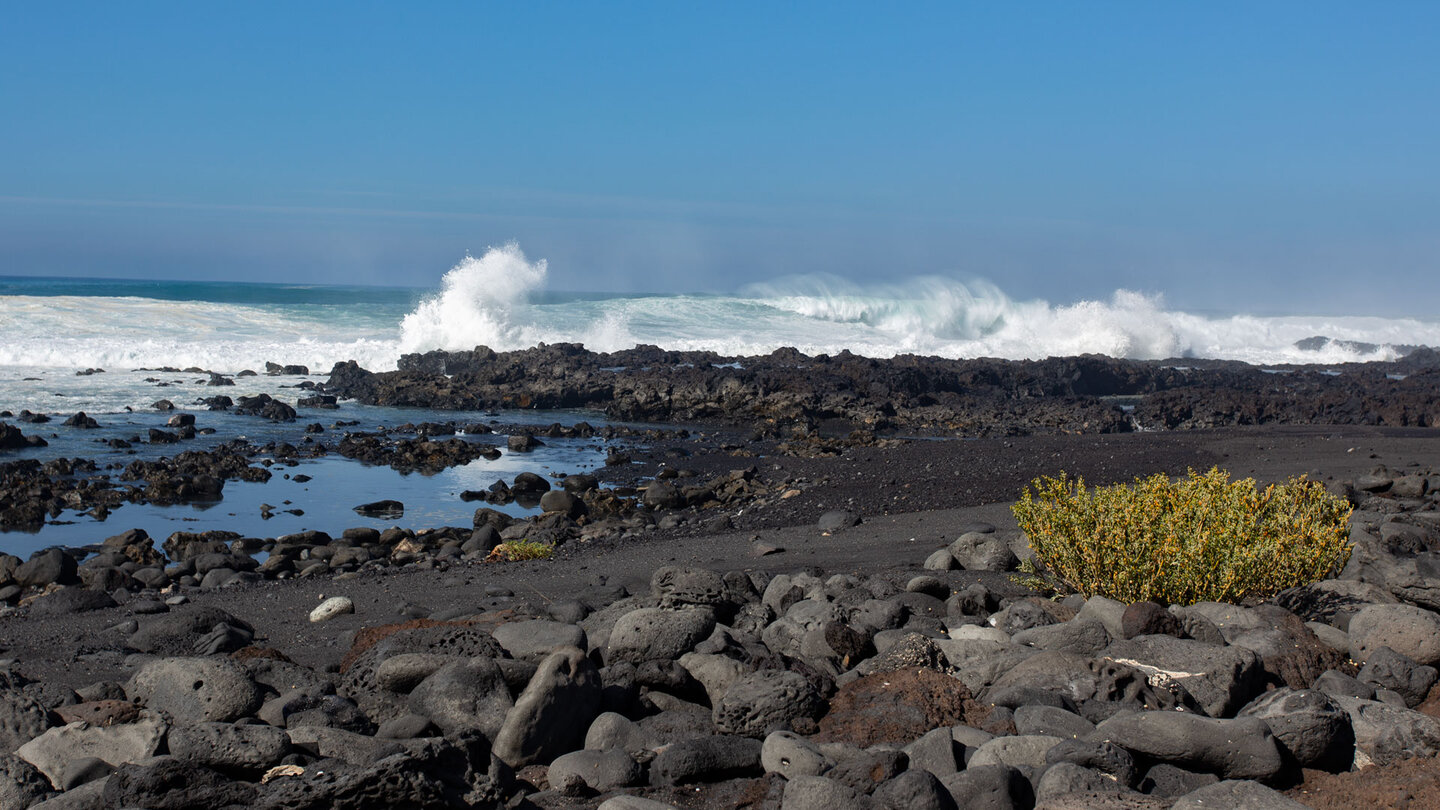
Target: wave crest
x,y
481,302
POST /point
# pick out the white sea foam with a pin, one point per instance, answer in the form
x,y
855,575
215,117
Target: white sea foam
x,y
481,302
498,300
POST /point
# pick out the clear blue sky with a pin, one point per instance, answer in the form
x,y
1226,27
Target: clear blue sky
x,y
1265,156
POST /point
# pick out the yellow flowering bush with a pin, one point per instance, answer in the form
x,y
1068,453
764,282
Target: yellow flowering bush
x,y
1199,538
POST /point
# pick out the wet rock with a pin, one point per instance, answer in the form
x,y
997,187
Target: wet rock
x,y
80,420
384,509
12,439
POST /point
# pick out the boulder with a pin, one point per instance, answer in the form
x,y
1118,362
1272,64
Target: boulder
x,y
1052,721
914,790
835,521
935,753
791,756
1313,729
1149,619
21,784
615,732
469,693
1100,756
593,771
819,793
237,749
49,567
1236,795
52,752
1387,669
1221,679
184,631
706,759
170,784
990,787
1242,748
975,551
1080,636
195,690
1067,778
765,701
1386,734
1406,629
534,639
22,718
897,707
650,634
550,717
1016,751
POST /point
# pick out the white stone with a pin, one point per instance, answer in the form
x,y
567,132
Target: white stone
x,y
332,607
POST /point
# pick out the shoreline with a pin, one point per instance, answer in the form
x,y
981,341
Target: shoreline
x,y
810,497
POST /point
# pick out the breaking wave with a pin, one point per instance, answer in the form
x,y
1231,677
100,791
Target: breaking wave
x,y
500,299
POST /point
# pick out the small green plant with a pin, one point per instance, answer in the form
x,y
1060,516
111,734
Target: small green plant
x,y
518,550
1199,538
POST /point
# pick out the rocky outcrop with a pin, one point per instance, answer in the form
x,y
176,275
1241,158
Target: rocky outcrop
x,y
969,397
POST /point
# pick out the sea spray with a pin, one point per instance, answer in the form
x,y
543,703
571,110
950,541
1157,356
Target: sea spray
x,y
49,328
481,302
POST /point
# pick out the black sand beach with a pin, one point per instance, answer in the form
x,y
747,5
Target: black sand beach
x,y
816,498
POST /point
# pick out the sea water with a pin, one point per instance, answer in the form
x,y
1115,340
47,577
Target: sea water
x,y
53,328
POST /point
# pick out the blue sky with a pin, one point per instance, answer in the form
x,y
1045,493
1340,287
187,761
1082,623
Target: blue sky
x,y
1277,156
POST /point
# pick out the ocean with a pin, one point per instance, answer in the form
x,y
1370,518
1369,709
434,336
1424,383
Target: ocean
x,y
50,328
152,340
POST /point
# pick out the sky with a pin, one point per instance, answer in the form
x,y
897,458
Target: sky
x,y
1270,157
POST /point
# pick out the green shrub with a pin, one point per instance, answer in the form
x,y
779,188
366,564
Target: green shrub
x,y
518,550
1200,538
